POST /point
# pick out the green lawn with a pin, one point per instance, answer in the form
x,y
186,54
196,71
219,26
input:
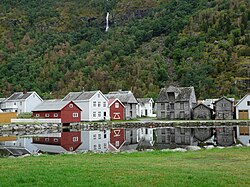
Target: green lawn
x,y
216,167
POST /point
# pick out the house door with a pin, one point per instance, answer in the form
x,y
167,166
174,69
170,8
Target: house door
x,y
243,114
146,112
104,114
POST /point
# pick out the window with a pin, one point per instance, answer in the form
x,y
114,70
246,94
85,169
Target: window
x,y
75,139
99,136
248,103
104,104
99,114
99,146
94,114
37,115
75,115
95,147
94,136
55,139
162,106
105,135
47,115
37,139
172,106
94,103
99,104
98,95
55,115
117,143
105,145
14,103
21,103
46,139
71,149
181,105
223,104
131,106
70,105
116,105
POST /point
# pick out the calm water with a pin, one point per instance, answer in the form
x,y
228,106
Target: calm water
x,y
118,139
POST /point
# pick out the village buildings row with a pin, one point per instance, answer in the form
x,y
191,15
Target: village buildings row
x,y
172,103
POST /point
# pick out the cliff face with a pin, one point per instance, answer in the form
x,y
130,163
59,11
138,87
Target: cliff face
x,y
54,47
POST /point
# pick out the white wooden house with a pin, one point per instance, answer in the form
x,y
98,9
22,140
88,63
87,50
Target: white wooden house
x,y
21,102
145,107
243,108
94,105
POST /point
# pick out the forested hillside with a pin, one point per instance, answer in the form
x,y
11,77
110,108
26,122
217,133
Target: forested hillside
x,y
54,47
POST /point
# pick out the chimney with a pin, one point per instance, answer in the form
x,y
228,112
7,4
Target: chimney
x,y
24,91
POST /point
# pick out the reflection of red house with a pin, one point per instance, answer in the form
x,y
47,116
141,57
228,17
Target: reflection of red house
x,y
67,111
58,142
117,139
117,109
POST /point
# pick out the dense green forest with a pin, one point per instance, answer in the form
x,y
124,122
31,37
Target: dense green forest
x,y
54,47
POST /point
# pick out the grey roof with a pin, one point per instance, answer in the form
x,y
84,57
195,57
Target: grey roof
x,y
228,99
143,101
202,104
123,96
181,93
19,96
73,96
51,106
50,148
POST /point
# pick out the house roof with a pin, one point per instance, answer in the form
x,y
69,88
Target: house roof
x,y
201,104
15,151
144,100
52,106
224,98
181,93
76,96
2,99
123,96
111,101
19,96
50,148
242,99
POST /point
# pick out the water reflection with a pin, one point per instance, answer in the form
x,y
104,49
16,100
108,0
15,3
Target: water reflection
x,y
120,139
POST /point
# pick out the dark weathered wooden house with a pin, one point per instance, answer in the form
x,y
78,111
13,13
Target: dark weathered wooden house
x,y
202,112
223,108
174,137
175,103
225,136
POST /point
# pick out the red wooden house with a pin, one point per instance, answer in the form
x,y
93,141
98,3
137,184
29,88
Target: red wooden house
x,y
117,139
67,111
58,142
117,109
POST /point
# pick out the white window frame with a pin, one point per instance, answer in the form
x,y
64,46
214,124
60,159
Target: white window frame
x,y
75,115
46,139
99,146
99,114
55,140
117,105
95,147
47,115
104,104
55,114
105,145
117,143
94,103
71,105
94,136
94,114
75,139
37,115
99,104
99,136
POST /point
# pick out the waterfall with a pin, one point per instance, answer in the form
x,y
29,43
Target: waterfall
x,y
107,22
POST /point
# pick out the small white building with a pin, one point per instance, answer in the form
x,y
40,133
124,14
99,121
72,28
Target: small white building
x,y
94,105
145,107
243,108
95,140
21,102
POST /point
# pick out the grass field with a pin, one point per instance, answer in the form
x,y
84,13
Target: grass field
x,y
216,167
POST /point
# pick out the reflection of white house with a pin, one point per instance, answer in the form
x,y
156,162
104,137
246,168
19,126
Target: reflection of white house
x,y
243,134
147,134
22,142
243,108
145,107
21,102
94,105
95,140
